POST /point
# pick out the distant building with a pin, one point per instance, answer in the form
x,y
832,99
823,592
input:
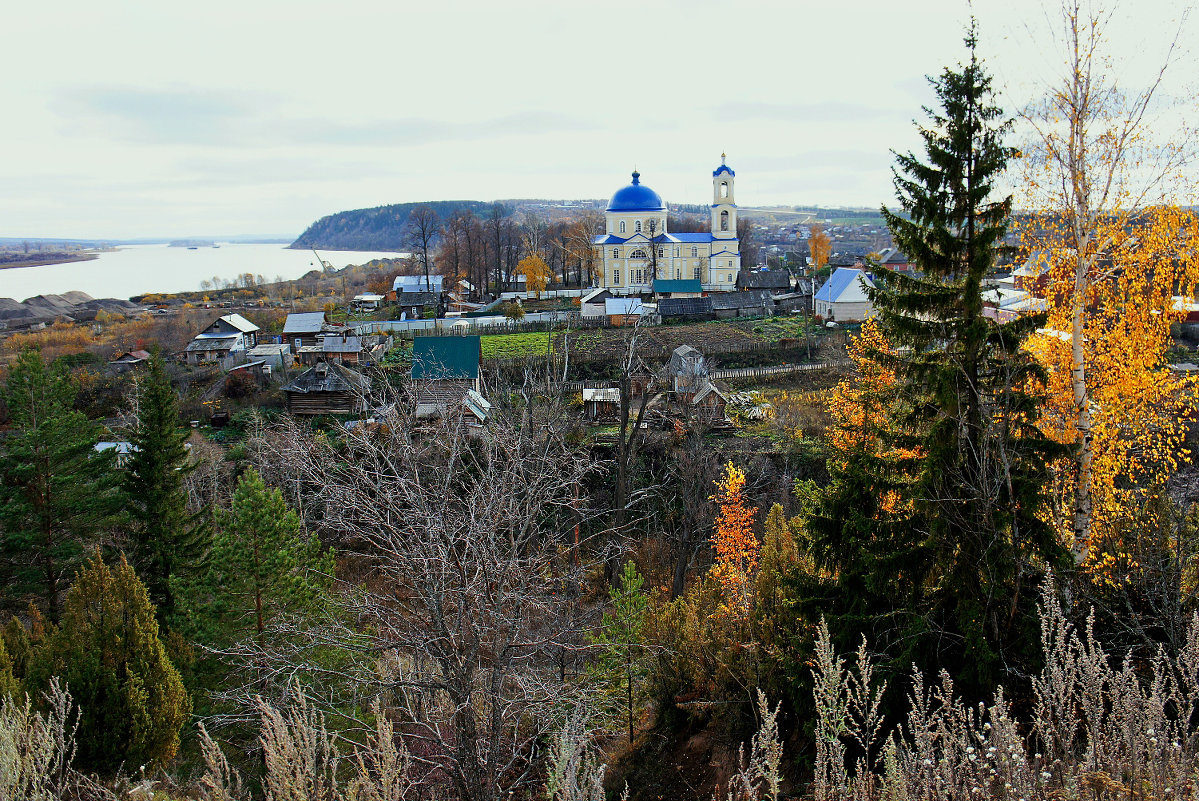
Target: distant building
x,y
636,227
304,328
231,333
417,283
843,297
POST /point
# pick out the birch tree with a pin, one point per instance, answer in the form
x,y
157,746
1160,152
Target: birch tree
x,y
1103,177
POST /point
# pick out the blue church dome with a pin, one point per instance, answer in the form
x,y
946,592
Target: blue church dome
x,y
636,197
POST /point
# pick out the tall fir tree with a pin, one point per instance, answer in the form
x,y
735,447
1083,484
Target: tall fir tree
x,y
108,653
57,494
166,540
955,547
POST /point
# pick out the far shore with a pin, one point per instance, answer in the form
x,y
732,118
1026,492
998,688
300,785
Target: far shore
x,y
62,258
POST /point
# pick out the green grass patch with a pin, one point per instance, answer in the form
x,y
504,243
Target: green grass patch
x,y
516,346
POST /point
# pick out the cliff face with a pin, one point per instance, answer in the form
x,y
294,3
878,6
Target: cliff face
x,y
380,228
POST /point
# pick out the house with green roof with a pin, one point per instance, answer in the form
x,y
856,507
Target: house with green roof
x,y
445,377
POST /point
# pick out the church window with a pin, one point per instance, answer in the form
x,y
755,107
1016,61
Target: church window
x,y
678,273
616,276
696,273
724,220
724,189
622,226
694,252
661,252
637,254
616,253
639,226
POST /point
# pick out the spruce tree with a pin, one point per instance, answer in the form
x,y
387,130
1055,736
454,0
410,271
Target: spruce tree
x,y
946,567
57,495
166,540
108,653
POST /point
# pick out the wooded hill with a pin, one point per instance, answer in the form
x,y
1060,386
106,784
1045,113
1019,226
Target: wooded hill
x,y
380,228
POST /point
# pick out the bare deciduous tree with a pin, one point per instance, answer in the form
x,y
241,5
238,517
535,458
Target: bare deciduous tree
x,y
464,541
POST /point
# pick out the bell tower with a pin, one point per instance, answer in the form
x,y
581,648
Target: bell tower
x,y
724,206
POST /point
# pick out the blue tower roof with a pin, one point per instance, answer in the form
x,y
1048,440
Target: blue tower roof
x,y
723,168
636,197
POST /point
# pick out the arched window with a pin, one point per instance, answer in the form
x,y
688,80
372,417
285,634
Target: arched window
x,y
661,252
724,188
616,253
639,226
694,252
622,226
637,254
724,220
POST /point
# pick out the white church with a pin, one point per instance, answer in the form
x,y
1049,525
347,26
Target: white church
x,y
636,223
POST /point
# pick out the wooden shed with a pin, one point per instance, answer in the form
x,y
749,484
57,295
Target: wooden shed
x,y
327,389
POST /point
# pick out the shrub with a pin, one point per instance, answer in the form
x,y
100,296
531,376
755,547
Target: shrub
x,y
107,651
1100,728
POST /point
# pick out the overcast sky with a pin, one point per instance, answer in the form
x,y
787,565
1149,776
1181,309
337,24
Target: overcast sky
x,y
136,118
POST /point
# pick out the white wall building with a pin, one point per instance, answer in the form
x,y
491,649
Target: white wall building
x,y
636,226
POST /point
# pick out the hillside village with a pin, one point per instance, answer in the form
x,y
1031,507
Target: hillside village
x,y
636,499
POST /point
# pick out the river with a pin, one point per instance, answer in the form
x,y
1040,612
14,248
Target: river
x,y
138,269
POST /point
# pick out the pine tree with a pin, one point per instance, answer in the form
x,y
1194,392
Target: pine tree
x,y
261,566
933,526
56,493
108,653
621,657
166,540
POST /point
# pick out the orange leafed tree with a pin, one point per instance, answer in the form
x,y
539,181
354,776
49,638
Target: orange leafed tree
x,y
734,541
1136,406
820,246
536,272
1103,179
860,408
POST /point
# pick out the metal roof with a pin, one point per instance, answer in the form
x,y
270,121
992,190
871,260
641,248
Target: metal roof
x,y
240,323
636,197
416,283
446,357
614,306
841,280
304,322
678,285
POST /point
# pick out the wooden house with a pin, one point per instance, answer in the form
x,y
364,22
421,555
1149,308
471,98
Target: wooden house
x,y
686,372
777,281
128,360
445,376
345,348
601,404
686,309
327,389
304,328
226,335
